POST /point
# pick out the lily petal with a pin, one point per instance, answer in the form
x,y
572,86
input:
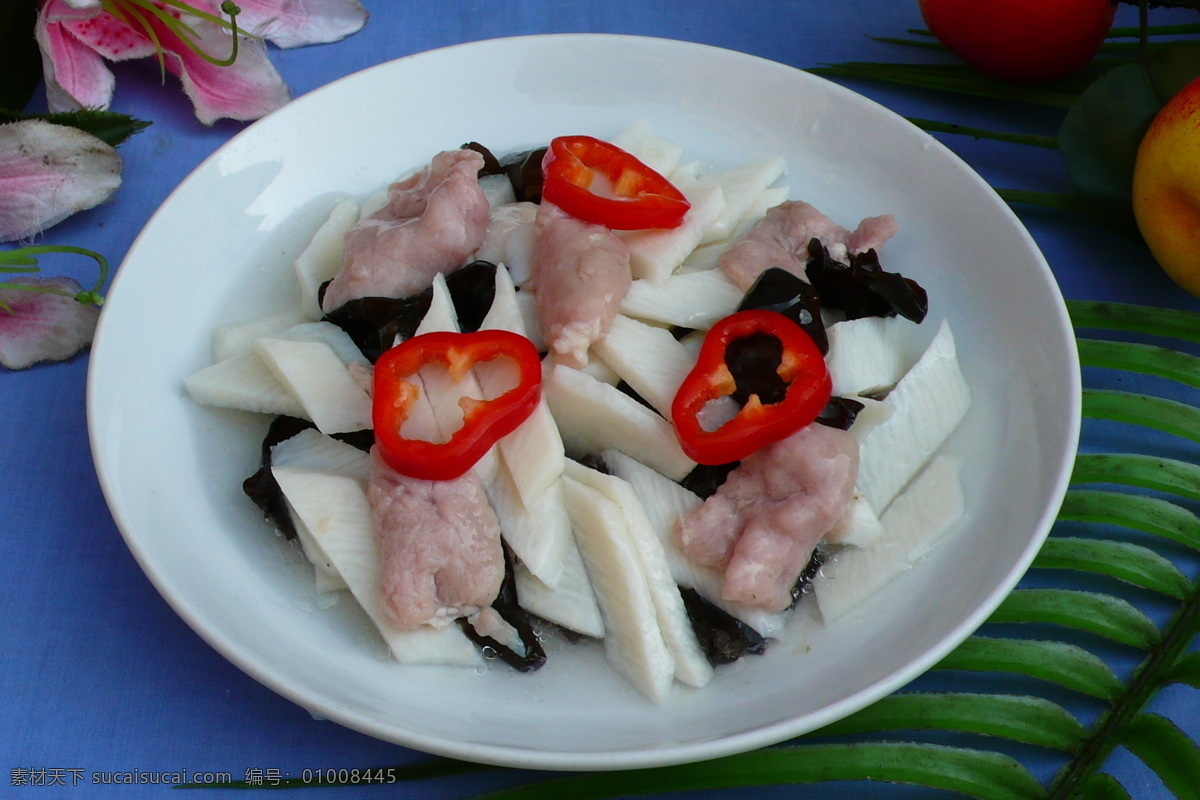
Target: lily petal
x,y
42,326
247,89
75,74
295,23
48,172
110,37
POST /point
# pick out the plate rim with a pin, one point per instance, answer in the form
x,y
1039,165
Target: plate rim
x,y
676,753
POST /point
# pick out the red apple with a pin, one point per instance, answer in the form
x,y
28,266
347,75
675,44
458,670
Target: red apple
x,y
1027,41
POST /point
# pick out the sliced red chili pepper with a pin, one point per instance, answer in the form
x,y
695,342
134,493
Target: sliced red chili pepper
x,y
757,424
598,182
484,421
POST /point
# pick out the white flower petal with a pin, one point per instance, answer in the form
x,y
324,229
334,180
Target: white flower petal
x,y
48,172
43,327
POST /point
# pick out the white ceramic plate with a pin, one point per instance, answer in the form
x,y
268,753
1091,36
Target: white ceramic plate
x,y
172,471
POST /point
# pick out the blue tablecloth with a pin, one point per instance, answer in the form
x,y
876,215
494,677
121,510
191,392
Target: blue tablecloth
x,y
99,675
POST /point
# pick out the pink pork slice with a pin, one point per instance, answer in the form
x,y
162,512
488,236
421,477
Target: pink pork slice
x,y
580,276
762,525
433,222
781,240
439,547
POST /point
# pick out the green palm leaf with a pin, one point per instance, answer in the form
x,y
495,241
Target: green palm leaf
x,y
1168,751
1066,665
1104,615
1131,563
973,773
1166,475
1025,719
1151,515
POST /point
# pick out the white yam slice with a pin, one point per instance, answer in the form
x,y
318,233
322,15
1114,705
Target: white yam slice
x,y
235,338
243,382
873,414
655,152
439,386
534,452
663,500
527,302
648,358
510,238
374,202
870,354
690,299
315,375
595,368
859,525
927,405
594,416
655,254
929,509
570,603
322,259
691,665
705,257
441,315
497,189
336,512
326,578
505,313
741,186
633,642
539,533
330,334
314,451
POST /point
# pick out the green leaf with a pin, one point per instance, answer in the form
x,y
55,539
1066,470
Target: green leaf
x,y
1101,614
1144,472
956,78
1025,719
1167,750
1169,416
1171,66
1099,140
1126,562
1064,664
974,773
1063,201
1186,670
1169,322
108,126
1028,139
1151,515
1103,787
20,60
1145,359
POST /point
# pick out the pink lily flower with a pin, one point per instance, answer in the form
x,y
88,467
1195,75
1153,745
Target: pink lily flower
x,y
41,321
77,37
45,319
